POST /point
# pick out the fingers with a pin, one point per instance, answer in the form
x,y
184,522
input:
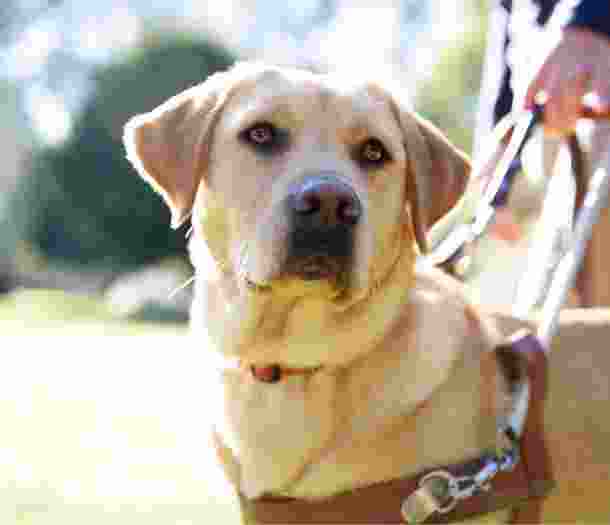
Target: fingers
x,y
600,91
561,95
536,88
576,66
564,103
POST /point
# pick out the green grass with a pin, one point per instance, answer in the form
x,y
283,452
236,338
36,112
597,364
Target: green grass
x,y
98,430
102,430
53,311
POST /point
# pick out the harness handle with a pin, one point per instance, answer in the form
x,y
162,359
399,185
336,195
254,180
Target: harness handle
x,y
476,209
470,218
564,276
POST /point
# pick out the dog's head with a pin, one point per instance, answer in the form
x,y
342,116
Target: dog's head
x,y
304,187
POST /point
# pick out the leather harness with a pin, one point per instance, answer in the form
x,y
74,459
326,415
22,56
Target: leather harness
x,y
520,488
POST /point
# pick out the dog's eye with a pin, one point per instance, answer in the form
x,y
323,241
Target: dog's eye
x,y
261,134
372,153
265,137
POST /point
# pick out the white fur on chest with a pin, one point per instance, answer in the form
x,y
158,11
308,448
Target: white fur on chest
x,y
275,429
314,435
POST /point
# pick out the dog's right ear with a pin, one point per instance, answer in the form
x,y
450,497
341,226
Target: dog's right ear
x,y
438,173
169,146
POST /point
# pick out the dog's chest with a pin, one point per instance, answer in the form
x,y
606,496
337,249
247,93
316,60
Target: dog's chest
x,y
275,429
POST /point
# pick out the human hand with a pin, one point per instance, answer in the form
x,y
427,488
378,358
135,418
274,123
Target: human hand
x,y
579,64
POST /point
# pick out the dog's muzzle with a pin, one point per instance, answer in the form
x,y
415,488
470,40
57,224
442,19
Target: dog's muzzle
x,y
324,213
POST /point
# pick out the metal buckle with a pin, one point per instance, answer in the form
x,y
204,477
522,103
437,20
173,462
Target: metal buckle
x,y
437,492
440,491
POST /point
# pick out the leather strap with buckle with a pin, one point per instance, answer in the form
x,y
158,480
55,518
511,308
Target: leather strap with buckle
x,y
518,477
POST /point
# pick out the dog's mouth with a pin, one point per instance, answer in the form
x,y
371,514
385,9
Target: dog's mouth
x,y
316,268
312,272
257,287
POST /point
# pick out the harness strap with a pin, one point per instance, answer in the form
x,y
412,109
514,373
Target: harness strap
x,y
520,488
535,457
382,503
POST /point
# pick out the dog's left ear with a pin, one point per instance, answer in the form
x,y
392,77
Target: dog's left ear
x,y
169,146
437,173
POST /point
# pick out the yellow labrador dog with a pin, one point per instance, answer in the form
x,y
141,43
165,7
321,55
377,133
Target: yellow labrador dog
x,y
343,367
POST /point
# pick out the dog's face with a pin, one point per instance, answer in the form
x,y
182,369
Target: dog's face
x,y
308,179
308,190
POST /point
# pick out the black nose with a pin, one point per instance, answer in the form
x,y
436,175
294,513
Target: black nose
x,y
325,200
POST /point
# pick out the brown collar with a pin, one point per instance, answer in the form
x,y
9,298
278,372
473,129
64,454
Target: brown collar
x,y
521,488
275,373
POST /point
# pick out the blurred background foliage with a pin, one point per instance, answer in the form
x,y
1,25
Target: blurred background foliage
x,y
449,96
73,75
81,202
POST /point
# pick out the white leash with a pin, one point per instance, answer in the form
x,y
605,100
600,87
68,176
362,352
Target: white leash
x,y
565,273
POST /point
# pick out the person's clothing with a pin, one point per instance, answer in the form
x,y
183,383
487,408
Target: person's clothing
x,y
592,14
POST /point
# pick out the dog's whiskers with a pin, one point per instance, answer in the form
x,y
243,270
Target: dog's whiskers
x,y
181,287
378,278
241,270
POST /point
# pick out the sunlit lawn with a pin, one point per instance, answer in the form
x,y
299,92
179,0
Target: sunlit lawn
x,y
34,312
102,421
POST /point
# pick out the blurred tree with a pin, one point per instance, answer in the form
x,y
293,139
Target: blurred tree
x,y
82,202
449,96
16,15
